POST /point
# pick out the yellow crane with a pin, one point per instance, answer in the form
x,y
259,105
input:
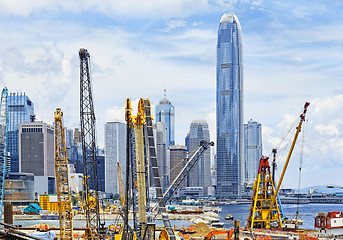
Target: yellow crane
x,y
121,185
62,182
264,211
140,162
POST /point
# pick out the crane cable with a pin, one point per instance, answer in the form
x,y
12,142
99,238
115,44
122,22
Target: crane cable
x,y
300,165
286,138
182,161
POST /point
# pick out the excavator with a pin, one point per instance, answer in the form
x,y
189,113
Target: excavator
x,y
265,210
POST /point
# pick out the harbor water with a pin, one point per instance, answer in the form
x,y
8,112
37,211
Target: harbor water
x,y
307,212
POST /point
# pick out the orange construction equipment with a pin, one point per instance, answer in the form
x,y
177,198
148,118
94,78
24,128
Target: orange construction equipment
x,y
219,232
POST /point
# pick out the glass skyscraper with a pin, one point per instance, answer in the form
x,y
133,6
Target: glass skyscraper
x,y
165,112
20,110
200,176
230,161
252,150
115,151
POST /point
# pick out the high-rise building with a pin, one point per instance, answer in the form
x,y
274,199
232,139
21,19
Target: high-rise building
x,y
69,137
77,136
20,110
200,176
178,153
101,170
230,161
160,133
165,112
252,150
36,149
115,151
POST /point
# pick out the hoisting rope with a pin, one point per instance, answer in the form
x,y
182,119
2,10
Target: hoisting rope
x,y
300,166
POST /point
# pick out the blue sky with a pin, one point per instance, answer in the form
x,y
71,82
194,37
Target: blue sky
x,y
292,53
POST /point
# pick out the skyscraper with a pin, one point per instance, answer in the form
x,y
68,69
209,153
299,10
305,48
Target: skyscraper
x,y
20,110
200,176
36,151
229,108
69,137
165,112
160,132
252,149
177,161
115,151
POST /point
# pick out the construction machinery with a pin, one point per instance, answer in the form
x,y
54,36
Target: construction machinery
x,y
264,210
263,193
95,228
211,235
62,180
121,185
141,157
3,146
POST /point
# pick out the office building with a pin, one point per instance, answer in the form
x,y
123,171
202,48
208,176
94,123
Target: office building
x,y
77,136
36,149
178,153
115,151
162,154
252,150
69,137
187,141
19,188
20,110
229,108
165,112
200,176
101,172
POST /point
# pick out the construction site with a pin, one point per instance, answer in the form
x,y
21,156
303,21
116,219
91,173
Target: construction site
x,y
136,216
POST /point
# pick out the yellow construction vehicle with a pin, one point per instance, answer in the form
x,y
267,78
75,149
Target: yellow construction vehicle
x,y
62,182
264,210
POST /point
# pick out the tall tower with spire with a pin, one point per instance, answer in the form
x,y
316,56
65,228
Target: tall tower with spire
x,y
230,161
165,113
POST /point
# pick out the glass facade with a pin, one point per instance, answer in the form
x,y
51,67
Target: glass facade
x,y
115,151
252,150
165,112
200,176
20,110
230,162
160,133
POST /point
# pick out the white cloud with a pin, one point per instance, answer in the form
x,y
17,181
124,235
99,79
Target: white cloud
x,y
323,147
173,24
126,9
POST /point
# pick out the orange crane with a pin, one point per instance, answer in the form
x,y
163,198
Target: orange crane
x,y
62,182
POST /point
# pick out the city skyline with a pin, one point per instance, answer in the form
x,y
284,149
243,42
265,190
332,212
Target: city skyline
x,y
292,54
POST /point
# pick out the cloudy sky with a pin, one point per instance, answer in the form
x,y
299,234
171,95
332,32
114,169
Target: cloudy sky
x,y
292,54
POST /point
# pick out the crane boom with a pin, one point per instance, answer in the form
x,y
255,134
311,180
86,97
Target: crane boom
x,y
88,140
302,119
62,180
121,185
140,162
154,166
3,146
204,145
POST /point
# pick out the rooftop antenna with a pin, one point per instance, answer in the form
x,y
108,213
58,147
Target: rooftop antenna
x,y
165,93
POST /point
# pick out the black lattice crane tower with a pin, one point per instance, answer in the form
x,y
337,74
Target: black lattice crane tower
x,y
88,140
62,181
